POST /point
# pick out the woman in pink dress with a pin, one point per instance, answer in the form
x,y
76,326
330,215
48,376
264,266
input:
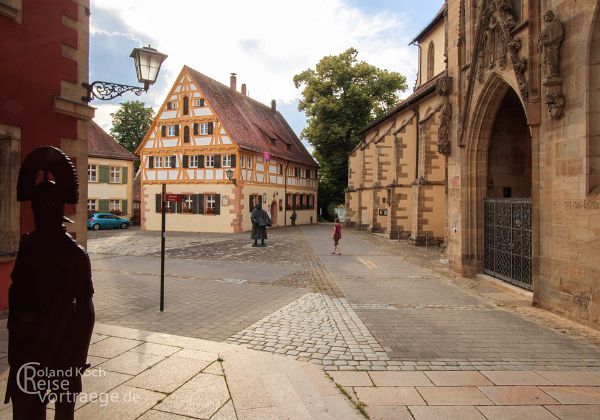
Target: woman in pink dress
x,y
337,235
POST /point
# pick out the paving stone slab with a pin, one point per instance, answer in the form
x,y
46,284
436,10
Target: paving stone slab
x,y
448,378
405,395
445,413
129,403
400,379
573,394
575,412
516,378
169,374
517,395
453,395
131,362
516,413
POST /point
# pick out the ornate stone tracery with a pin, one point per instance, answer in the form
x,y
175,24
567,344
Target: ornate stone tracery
x,y
494,40
443,89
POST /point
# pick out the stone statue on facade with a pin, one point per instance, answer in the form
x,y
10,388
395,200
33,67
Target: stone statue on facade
x,y
51,314
260,220
549,44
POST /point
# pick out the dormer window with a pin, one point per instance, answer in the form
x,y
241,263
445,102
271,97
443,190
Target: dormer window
x,y
430,60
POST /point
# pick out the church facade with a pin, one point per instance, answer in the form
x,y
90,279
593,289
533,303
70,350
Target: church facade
x,y
523,165
396,176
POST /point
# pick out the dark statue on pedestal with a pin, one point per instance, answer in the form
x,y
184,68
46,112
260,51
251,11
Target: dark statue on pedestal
x,y
51,314
260,220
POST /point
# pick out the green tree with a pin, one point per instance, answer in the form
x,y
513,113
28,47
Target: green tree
x,y
130,123
340,97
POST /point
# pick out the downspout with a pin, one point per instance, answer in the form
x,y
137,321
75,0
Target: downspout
x,y
418,82
285,199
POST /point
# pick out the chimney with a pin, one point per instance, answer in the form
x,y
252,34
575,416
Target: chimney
x,y
232,82
244,89
273,105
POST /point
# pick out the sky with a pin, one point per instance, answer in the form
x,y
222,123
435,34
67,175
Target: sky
x,y
266,42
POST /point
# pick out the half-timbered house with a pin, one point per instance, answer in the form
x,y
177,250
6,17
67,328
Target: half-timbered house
x,y
224,152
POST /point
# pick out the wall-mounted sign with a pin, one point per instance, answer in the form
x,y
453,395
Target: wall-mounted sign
x,y
174,197
383,212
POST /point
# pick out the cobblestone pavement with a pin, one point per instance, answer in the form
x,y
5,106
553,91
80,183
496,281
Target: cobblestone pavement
x,y
382,305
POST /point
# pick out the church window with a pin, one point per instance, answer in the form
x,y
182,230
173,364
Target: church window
x,y
430,60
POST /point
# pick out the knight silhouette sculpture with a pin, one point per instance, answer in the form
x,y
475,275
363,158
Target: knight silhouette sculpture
x,y
51,314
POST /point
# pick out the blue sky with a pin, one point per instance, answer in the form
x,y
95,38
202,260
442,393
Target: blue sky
x,y
266,42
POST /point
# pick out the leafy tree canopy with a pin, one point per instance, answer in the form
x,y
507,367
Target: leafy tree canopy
x,y
130,123
340,97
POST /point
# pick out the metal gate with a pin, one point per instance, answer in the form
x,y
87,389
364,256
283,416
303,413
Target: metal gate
x,y
508,240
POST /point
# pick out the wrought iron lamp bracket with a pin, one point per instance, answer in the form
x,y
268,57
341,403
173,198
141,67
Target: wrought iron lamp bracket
x,y
107,90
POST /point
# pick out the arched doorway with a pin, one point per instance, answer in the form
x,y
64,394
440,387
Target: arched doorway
x,y
507,208
274,213
498,167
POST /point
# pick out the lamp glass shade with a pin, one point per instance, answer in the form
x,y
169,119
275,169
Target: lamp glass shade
x,y
147,64
229,173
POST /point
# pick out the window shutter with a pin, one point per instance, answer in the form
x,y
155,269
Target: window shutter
x,y
174,161
260,198
185,161
169,105
186,134
217,161
103,169
294,200
218,204
201,203
194,203
202,102
150,162
124,207
124,175
177,130
200,161
158,203
163,130
195,128
186,105
233,161
178,207
210,127
103,206
250,203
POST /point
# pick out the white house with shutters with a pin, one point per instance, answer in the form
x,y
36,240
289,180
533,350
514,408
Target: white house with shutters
x,y
110,174
225,152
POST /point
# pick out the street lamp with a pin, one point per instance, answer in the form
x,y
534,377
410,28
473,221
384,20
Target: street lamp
x,y
147,65
229,173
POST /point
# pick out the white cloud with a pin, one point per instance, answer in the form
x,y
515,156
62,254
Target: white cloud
x,y
266,42
102,115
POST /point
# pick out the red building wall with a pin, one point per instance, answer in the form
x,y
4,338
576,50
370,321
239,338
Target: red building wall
x,y
32,66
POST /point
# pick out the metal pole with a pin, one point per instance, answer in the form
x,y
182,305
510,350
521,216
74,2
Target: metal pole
x,y
162,248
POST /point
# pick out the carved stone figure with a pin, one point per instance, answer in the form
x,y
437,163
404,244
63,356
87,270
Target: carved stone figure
x,y
549,44
51,314
443,90
260,220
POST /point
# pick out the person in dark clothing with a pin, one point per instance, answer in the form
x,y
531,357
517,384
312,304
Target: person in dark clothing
x,y
260,220
51,314
293,217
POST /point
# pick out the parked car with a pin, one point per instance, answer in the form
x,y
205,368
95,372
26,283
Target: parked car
x,y
98,221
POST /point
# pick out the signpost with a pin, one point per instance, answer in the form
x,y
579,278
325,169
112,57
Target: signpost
x,y
173,198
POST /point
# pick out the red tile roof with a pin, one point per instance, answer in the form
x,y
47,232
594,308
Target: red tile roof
x,y
253,125
103,145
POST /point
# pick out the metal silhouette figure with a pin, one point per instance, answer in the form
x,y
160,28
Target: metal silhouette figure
x,y
260,220
51,314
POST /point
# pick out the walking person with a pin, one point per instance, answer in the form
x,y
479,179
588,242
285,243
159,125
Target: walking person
x,y
337,235
293,217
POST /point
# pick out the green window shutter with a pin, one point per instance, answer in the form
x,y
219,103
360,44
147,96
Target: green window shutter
x,y
184,162
218,204
104,173
195,129
233,161
201,203
178,207
177,130
163,131
150,162
200,161
158,203
210,127
124,206
103,206
194,203
124,175
217,161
